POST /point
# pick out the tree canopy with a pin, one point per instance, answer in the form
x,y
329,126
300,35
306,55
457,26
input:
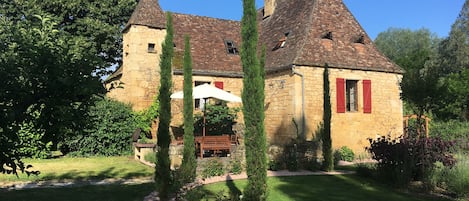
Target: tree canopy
x,y
413,51
52,55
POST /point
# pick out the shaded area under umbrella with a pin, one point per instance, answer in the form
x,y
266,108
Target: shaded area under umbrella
x,y
206,91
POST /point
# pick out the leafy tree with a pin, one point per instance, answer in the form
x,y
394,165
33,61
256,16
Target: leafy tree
x,y
52,54
99,22
453,67
44,69
326,134
253,106
414,51
162,170
189,163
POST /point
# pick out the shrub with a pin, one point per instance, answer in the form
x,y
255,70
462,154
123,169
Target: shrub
x,y
213,167
455,179
31,142
275,165
108,133
235,166
403,160
344,154
366,170
219,119
150,157
454,130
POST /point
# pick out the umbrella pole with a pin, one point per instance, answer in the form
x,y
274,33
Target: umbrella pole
x,y
203,130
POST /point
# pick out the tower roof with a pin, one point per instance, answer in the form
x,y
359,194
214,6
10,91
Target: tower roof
x,y
319,32
148,13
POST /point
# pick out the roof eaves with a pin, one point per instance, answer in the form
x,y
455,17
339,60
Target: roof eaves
x,y
227,74
330,65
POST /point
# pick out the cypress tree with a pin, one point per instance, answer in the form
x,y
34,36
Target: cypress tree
x,y
189,163
253,107
328,164
162,170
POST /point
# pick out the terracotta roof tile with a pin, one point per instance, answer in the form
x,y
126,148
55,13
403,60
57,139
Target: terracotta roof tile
x,y
148,13
305,21
208,36
308,21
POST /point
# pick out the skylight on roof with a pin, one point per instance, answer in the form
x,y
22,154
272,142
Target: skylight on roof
x,y
327,35
231,47
281,42
360,39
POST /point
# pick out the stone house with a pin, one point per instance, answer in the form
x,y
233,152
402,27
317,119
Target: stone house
x,y
301,37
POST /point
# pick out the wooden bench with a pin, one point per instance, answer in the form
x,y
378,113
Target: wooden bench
x,y
214,143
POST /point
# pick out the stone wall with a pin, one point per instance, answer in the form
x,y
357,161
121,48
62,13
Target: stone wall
x,y
141,72
284,114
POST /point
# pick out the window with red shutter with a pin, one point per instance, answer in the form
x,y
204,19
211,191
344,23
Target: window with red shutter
x,y
340,89
367,96
218,84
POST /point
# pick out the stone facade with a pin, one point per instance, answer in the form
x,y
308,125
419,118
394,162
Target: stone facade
x,y
298,46
140,68
284,107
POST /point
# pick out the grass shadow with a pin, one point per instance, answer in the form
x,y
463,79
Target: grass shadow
x,y
89,193
339,188
235,192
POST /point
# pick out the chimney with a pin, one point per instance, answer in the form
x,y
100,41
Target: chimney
x,y
269,7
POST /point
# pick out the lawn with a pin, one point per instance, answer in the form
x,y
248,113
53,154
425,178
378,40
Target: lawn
x,y
313,188
85,193
95,168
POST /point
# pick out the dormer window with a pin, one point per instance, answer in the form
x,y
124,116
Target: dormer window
x,y
151,48
231,47
281,42
360,39
327,35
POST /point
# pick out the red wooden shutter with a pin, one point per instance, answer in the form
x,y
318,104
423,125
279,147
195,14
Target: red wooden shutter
x,y
366,96
340,85
218,84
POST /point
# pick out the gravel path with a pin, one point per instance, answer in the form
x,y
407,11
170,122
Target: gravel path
x,y
70,183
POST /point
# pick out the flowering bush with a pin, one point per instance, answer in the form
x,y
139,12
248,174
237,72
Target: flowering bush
x,y
405,159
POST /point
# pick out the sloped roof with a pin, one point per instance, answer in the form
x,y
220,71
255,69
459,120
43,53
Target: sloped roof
x,y
148,13
307,22
207,40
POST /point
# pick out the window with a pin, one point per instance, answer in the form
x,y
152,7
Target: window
x,y
231,47
360,39
199,103
351,97
347,95
151,47
327,35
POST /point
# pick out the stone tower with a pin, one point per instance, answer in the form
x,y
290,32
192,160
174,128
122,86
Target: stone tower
x,y
137,80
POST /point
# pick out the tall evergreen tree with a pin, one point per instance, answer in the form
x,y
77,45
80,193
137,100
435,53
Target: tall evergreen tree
x,y
253,107
189,163
453,65
163,177
328,164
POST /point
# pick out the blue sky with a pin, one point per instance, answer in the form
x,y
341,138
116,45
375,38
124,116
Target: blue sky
x,y
375,16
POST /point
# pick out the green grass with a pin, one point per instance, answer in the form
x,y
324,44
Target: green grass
x,y
82,169
88,193
312,188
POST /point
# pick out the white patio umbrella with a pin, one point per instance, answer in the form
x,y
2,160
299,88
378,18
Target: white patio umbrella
x,y
205,91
